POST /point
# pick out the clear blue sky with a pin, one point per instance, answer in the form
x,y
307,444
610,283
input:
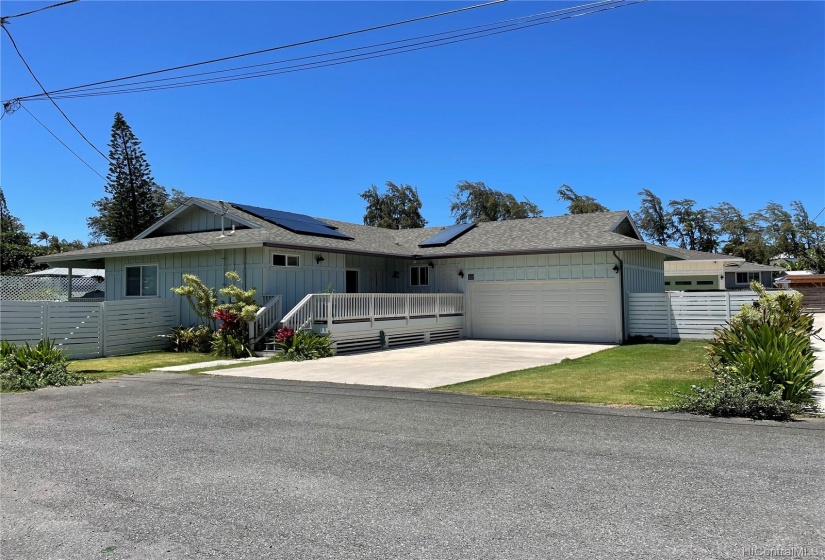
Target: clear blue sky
x,y
715,101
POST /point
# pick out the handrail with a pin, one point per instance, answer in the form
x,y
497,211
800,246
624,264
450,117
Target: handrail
x,y
266,318
332,308
300,315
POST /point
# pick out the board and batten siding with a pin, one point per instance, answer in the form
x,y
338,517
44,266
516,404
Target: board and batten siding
x,y
643,271
195,219
209,266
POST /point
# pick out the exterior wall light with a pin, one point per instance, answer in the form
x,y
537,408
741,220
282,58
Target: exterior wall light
x,y
319,259
461,274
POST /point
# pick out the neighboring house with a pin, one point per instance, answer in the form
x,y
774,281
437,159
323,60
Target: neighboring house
x,y
76,273
699,271
811,286
563,278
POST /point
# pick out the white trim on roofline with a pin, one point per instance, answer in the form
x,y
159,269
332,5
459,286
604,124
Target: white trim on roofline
x,y
184,207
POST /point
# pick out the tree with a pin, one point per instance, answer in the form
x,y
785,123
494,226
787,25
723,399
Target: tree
x,y
398,207
135,200
476,202
692,229
579,204
16,250
654,222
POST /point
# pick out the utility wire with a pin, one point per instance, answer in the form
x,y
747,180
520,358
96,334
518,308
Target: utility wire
x,y
14,44
4,18
280,47
465,31
507,28
95,171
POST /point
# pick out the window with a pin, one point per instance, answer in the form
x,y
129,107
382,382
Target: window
x,y
285,260
684,283
419,276
746,277
667,283
704,282
142,281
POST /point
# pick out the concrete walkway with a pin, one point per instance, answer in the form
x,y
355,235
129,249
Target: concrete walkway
x,y
213,363
819,348
422,367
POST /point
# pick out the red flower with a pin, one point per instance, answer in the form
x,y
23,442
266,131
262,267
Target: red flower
x,y
284,334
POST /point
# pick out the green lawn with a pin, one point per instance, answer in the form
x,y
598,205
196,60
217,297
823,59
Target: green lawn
x,y
633,374
102,368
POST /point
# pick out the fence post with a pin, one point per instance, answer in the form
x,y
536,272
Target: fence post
x,y
407,308
103,329
669,318
372,310
437,308
46,312
727,304
329,312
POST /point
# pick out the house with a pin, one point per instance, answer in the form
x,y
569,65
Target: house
x,y
699,271
564,278
811,286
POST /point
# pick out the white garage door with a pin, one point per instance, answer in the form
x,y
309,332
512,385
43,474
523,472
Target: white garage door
x,y
575,311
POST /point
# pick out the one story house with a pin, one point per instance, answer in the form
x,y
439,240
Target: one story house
x,y
564,278
698,271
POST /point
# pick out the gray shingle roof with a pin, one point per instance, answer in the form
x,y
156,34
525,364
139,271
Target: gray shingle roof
x,y
750,267
690,255
559,234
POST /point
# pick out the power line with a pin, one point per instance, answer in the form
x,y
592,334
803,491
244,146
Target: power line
x,y
4,18
484,30
14,44
280,47
537,20
95,171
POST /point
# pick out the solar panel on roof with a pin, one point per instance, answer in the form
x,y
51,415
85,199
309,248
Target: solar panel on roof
x,y
447,235
297,223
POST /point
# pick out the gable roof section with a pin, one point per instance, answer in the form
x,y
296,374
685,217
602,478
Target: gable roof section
x,y
211,206
583,232
690,255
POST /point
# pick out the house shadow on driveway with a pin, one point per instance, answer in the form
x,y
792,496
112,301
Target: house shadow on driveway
x,y
422,367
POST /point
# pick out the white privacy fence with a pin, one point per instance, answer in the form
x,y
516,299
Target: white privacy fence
x,y
47,288
683,314
91,330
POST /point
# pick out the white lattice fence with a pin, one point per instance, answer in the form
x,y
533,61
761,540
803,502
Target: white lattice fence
x,y
676,315
46,288
90,330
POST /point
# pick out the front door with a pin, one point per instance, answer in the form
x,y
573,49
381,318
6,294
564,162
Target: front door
x,y
352,281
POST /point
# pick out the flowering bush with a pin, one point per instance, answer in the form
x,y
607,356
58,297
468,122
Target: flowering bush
x,y
284,335
230,339
230,321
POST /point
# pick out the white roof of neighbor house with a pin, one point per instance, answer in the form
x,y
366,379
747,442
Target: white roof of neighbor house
x,y
76,272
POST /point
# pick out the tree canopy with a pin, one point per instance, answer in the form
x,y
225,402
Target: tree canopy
x,y
398,207
135,201
579,204
476,202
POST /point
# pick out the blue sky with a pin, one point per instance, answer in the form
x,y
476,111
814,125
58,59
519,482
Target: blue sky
x,y
715,101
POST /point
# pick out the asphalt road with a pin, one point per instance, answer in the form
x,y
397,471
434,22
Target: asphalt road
x,y
177,466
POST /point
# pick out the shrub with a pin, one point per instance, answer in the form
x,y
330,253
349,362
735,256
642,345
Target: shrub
x,y
730,396
26,367
191,339
303,345
230,346
768,344
769,357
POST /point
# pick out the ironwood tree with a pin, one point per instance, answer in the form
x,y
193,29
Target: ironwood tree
x,y
134,200
398,207
476,202
579,203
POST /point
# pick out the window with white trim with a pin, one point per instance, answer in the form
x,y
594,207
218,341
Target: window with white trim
x,y
285,260
142,281
746,277
419,276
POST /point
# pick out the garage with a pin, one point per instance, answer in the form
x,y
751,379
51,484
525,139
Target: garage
x,y
569,311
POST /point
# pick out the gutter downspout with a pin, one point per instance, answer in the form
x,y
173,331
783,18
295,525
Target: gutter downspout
x,y
621,290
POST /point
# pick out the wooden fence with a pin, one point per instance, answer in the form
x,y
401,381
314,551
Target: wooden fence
x,y
675,315
91,330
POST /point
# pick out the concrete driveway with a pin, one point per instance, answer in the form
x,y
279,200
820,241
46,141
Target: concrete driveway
x,y
422,367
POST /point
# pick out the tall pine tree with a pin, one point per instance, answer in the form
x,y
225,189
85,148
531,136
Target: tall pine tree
x,y
135,201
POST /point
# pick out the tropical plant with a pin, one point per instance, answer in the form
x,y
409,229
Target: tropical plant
x,y
230,345
191,339
202,299
303,345
27,367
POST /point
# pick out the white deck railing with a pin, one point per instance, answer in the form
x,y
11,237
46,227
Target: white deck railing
x,y
266,319
316,308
